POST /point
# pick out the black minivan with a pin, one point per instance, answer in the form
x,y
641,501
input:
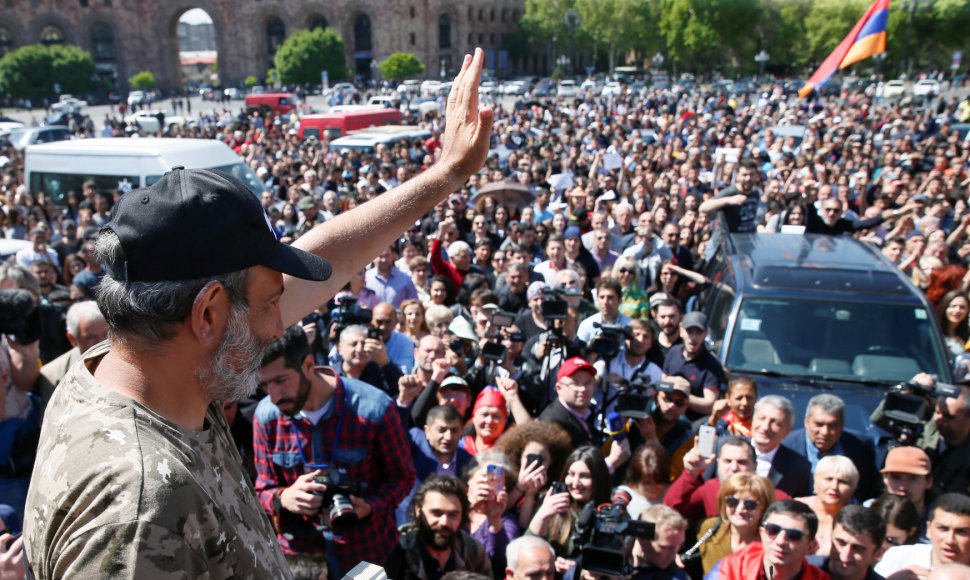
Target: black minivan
x,y
810,314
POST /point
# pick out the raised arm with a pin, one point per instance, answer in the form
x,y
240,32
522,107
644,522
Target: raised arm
x,y
352,239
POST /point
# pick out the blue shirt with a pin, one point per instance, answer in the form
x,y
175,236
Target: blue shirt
x,y
394,289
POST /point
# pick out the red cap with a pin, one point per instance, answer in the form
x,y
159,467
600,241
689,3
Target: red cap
x,y
569,368
490,397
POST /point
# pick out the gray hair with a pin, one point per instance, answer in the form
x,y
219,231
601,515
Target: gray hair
x,y
780,403
516,546
22,277
82,311
829,404
352,330
456,247
151,311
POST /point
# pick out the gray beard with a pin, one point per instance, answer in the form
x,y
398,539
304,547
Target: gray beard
x,y
233,373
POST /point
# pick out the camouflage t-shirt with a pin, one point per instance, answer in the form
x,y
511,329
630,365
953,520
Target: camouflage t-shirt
x,y
118,491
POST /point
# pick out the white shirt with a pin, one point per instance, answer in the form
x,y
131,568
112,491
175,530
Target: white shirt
x,y
764,461
899,557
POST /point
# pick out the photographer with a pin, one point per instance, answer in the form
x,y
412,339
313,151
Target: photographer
x,y
311,425
547,350
357,347
946,439
638,338
656,557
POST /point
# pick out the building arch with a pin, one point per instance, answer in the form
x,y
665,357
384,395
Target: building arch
x,y
314,13
46,22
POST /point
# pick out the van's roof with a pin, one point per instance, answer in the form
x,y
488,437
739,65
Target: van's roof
x,y
816,264
141,147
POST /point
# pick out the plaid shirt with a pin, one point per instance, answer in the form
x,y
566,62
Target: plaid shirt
x,y
371,445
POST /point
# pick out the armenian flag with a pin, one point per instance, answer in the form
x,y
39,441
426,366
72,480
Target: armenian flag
x,y
868,37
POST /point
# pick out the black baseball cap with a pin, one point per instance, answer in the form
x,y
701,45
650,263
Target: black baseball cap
x,y
194,223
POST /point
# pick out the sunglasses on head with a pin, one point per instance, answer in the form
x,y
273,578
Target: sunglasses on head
x,y
774,529
749,504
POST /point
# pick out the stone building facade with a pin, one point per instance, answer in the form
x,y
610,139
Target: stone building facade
x,y
127,36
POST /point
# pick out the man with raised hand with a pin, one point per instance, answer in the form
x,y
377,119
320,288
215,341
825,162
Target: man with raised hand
x,y
138,474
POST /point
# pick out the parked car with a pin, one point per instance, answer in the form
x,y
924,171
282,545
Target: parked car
x,y
612,88
136,98
409,86
234,94
926,88
424,105
567,88
893,89
149,121
806,314
68,104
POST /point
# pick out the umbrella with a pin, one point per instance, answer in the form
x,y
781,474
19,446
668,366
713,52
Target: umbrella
x,y
506,192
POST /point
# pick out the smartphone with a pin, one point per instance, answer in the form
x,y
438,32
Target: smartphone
x,y
559,487
374,333
705,440
533,458
495,475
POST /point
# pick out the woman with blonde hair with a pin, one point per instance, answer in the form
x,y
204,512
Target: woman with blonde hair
x,y
836,478
741,502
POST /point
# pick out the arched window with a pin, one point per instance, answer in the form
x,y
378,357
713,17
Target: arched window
x,y
317,21
275,34
6,41
51,34
444,31
362,33
102,43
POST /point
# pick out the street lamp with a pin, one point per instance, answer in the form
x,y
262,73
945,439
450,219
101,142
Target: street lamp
x,y
761,58
658,60
563,62
442,71
571,20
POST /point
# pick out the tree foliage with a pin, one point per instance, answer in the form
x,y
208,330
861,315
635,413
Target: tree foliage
x,y
30,72
304,55
142,81
617,25
251,81
401,65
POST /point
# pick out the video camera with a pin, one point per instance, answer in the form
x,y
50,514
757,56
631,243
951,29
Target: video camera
x,y
601,531
637,398
607,344
554,305
340,487
347,313
908,405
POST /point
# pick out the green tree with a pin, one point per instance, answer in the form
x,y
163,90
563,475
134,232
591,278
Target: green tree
x,y
302,57
615,24
401,65
142,80
251,81
31,71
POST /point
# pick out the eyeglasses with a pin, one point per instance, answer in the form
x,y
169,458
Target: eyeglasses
x,y
749,504
794,535
574,386
627,271
498,259
831,209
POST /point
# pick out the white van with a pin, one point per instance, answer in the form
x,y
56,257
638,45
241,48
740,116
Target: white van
x,y
366,140
58,168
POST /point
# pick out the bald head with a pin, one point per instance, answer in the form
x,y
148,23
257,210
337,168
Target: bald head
x,y
384,317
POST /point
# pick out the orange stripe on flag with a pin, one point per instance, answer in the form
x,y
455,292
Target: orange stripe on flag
x,y
864,48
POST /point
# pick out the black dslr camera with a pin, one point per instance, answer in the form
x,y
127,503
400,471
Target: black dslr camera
x,y
554,306
494,350
601,531
19,316
340,487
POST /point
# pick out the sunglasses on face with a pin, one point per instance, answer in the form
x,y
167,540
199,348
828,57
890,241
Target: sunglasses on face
x,y
749,504
792,534
626,271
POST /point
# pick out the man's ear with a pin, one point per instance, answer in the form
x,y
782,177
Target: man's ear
x,y
308,365
210,311
812,546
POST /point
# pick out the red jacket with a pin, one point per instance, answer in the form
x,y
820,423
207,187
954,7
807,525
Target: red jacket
x,y
746,564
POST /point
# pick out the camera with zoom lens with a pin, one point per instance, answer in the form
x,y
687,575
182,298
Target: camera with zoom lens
x,y
607,344
907,406
340,486
554,306
601,532
347,313
636,398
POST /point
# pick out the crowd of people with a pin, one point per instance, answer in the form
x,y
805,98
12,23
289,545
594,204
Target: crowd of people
x,y
455,406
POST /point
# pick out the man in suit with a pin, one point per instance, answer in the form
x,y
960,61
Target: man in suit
x,y
575,383
824,434
772,422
